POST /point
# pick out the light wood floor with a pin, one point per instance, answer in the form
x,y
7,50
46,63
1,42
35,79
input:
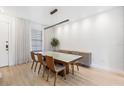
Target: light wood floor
x,y
23,75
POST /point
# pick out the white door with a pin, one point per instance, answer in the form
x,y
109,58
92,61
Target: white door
x,y
4,29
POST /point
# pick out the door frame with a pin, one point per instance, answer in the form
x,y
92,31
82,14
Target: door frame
x,y
11,37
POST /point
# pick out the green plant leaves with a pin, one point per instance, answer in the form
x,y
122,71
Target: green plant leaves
x,y
54,42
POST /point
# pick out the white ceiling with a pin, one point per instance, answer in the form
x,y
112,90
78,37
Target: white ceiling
x,y
77,12
41,14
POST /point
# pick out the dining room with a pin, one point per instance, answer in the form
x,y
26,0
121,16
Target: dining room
x,y
61,45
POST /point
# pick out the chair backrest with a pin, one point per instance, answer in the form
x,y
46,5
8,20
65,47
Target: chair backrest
x,y
33,56
50,63
40,58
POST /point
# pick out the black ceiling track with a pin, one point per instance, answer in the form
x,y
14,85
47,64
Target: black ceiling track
x,y
54,11
56,24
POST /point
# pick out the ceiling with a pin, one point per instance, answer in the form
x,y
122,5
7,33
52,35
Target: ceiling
x,y
41,14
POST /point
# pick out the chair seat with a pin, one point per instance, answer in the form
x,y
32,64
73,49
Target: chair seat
x,y
59,67
75,63
44,63
36,61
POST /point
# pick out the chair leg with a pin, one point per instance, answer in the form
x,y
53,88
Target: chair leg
x,y
32,65
65,74
39,68
48,75
78,67
44,69
55,79
72,68
35,67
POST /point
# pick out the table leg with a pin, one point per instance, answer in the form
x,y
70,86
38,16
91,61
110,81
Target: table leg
x,y
67,68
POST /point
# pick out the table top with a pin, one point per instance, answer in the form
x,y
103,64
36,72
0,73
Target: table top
x,y
61,56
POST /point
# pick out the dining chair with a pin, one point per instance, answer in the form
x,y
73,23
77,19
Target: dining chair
x,y
76,63
73,64
54,68
42,63
34,60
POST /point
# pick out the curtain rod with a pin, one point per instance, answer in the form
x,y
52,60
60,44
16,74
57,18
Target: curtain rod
x,y
56,24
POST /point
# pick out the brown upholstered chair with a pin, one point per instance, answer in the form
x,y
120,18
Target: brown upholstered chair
x,y
34,60
54,68
77,63
73,64
41,61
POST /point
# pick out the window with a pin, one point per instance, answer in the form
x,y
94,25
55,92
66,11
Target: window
x,y
36,40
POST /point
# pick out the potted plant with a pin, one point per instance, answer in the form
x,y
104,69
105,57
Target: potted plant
x,y
54,43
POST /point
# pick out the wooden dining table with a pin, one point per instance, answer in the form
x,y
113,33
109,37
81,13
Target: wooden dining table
x,y
62,58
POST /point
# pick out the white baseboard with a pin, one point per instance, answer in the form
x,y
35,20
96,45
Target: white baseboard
x,y
107,69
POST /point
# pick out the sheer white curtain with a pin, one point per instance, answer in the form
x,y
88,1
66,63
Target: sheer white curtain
x,y
22,41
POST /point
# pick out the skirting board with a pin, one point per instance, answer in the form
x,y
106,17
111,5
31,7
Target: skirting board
x,y
107,69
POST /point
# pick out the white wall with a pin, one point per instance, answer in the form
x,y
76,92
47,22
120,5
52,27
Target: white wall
x,y
48,35
102,34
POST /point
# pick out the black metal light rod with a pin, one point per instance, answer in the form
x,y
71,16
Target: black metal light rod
x,y
56,24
